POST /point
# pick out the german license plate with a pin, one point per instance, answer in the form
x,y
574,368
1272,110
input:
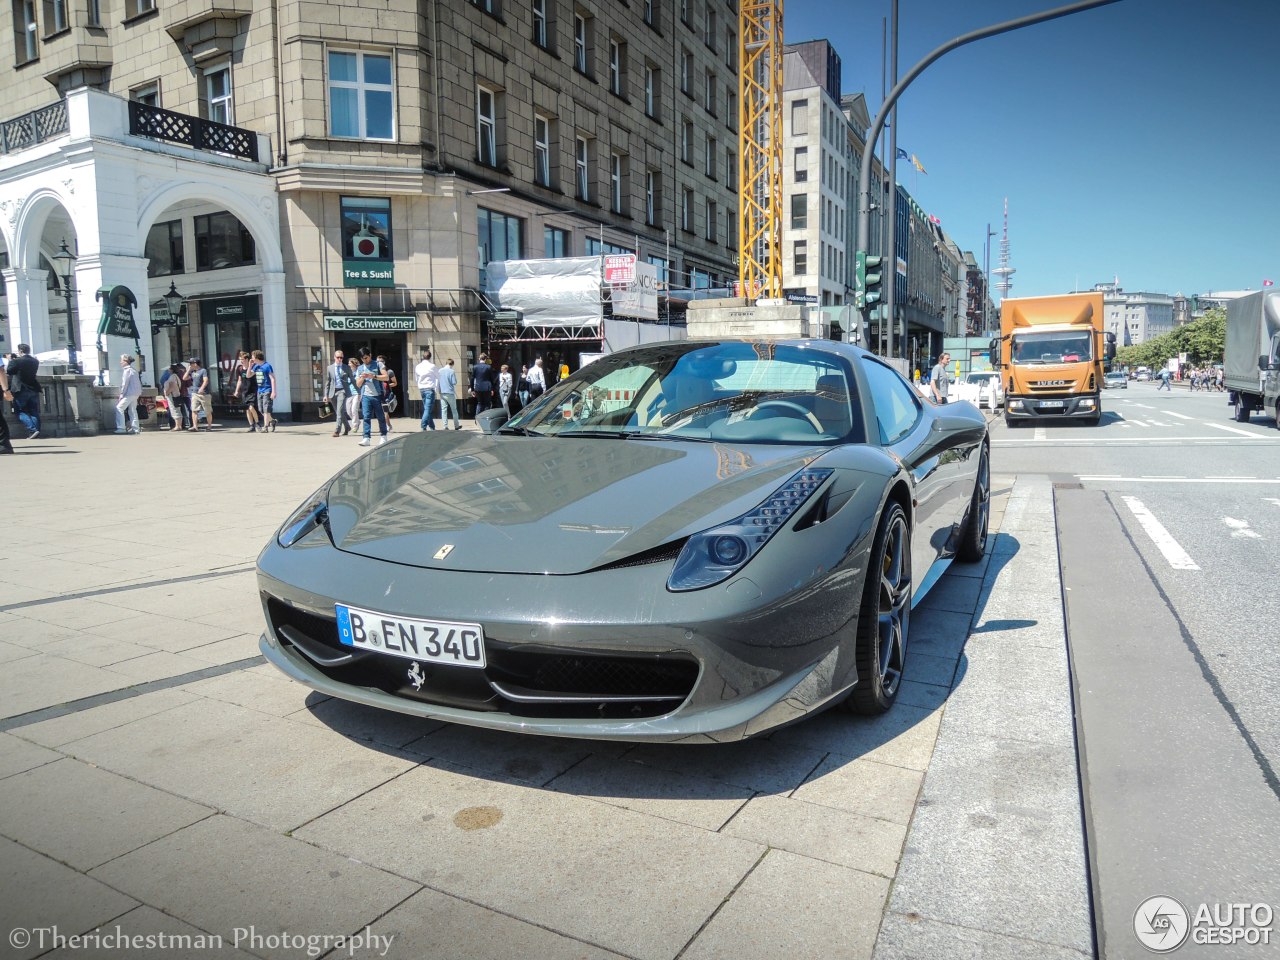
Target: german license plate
x,y
430,641
1050,404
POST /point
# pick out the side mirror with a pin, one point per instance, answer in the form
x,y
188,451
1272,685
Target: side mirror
x,y
1111,346
1264,362
492,419
993,353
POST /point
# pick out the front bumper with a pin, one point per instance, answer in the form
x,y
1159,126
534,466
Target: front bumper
x,y
1051,407
754,660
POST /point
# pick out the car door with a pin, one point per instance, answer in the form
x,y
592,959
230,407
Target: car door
x,y
905,430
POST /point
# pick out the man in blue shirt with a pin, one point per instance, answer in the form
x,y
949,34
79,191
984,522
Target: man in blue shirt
x,y
370,380
266,376
448,387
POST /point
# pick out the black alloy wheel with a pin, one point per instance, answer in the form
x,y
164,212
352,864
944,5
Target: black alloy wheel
x,y
973,540
884,617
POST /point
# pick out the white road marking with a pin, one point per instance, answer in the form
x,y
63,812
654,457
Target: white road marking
x,y
1275,500
1173,479
1178,558
1232,477
1240,528
1163,476
1040,434
1144,406
1181,415
1243,433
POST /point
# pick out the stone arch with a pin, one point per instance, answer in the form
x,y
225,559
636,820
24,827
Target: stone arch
x,y
33,216
266,233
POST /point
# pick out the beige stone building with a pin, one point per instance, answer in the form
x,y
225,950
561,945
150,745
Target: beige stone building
x,y
311,175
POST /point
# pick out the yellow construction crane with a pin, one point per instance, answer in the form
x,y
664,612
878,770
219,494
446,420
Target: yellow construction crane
x,y
760,148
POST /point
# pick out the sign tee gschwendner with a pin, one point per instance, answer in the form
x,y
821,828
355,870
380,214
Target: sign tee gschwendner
x,y
371,324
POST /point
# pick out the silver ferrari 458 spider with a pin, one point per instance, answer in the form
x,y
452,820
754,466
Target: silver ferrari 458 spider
x,y
684,541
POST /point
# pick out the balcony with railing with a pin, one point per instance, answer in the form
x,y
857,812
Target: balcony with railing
x,y
88,114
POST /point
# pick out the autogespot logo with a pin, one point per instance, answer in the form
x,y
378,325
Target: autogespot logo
x,y
1161,924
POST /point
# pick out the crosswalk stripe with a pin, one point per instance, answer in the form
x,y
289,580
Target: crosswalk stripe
x,y
1178,558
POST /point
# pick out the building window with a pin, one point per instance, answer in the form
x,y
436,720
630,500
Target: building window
x,y
730,49
731,169
93,11
55,17
540,23
24,31
595,247
686,210
555,242
709,161
148,93
366,230
487,126
582,166
799,118
222,242
648,13
360,96
651,91
617,64
652,198
686,140
217,94
686,68
488,6
580,43
799,211
730,106
662,267
542,150
709,91
801,164
684,11
615,182
499,236
709,28
711,220
136,8
164,249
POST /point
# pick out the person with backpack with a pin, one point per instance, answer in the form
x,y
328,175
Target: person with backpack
x,y
370,381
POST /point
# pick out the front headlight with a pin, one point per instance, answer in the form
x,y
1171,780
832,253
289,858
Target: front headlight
x,y
717,554
1015,404
313,513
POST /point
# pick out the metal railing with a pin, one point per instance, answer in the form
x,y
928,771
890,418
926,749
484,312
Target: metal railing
x,y
34,127
160,124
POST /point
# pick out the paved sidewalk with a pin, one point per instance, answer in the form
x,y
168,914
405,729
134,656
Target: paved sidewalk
x,y
155,775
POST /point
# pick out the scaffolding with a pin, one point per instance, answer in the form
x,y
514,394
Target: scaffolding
x,y
760,149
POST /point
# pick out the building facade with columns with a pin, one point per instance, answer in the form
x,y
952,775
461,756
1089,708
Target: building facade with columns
x,y
310,175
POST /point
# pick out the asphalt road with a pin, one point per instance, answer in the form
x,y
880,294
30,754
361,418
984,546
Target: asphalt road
x,y
1168,517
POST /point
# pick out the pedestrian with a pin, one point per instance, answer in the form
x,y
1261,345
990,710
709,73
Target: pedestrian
x,y
448,387
371,380
130,391
506,385
1164,381
482,384
247,388
353,401
266,377
171,387
390,399
427,375
522,385
201,398
338,385
6,444
25,388
537,380
940,379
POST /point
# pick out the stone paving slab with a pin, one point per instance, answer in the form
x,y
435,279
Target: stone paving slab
x,y
101,816
484,841
276,885
85,723
915,938
16,755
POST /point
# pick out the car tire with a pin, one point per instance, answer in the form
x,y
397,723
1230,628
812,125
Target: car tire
x,y
973,538
880,647
1242,411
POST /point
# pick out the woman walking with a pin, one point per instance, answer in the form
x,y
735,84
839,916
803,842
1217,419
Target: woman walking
x,y
506,385
247,388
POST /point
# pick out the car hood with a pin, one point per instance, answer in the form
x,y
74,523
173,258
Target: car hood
x,y
506,504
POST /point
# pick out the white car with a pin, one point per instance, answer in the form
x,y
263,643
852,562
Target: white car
x,y
982,389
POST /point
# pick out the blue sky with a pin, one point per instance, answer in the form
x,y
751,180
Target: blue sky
x,y
1137,140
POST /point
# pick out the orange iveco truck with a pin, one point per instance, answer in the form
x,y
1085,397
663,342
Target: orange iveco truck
x,y
1051,353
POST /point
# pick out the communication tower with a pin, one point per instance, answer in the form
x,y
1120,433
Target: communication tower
x,y
1004,271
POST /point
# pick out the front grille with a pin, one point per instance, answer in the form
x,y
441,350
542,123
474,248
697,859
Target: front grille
x,y
522,682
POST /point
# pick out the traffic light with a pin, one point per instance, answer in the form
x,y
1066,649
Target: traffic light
x,y
867,288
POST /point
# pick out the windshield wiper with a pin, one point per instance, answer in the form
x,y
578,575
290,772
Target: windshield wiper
x,y
520,431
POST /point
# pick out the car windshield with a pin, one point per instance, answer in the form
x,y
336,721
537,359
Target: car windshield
x,y
735,392
1052,347
979,378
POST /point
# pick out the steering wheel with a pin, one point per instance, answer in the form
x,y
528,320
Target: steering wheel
x,y
793,409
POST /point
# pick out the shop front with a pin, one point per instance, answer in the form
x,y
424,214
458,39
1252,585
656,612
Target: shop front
x,y
386,336
227,325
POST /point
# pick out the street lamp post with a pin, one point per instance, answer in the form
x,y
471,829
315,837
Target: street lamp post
x,y
66,267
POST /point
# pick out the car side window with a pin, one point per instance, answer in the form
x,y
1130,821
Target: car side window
x,y
897,408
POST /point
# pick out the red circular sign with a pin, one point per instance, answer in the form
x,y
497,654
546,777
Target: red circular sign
x,y
366,246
